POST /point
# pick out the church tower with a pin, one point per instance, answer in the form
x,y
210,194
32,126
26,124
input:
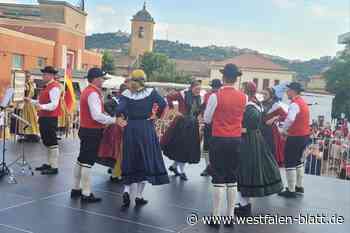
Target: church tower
x,y
142,33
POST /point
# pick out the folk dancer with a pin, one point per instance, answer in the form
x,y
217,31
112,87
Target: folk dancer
x,y
181,141
92,122
48,107
258,174
274,113
225,112
142,157
215,85
297,130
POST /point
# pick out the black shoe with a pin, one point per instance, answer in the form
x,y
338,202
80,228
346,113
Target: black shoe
x,y
299,190
205,172
43,167
243,211
173,169
287,194
140,201
90,199
75,193
183,176
115,179
126,200
50,171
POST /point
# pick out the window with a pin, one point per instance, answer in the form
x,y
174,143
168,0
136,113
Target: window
x,y
141,32
17,61
277,82
256,81
266,83
85,67
41,62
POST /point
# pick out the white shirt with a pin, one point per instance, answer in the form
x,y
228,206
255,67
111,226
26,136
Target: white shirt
x,y
210,108
54,95
292,113
95,106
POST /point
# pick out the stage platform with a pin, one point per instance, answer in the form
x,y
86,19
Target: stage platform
x,y
41,204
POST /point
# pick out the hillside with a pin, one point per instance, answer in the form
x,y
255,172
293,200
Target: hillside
x,y
119,41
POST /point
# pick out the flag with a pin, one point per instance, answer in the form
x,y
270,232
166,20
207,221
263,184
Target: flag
x,y
69,95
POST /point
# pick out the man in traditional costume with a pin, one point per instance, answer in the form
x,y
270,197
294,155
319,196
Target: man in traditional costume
x,y
225,112
258,174
181,142
215,85
92,122
142,157
48,107
297,130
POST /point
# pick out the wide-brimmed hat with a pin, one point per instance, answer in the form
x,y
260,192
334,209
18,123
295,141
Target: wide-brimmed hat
x,y
49,70
216,83
95,73
231,71
295,86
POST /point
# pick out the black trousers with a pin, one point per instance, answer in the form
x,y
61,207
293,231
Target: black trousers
x,y
223,156
90,140
294,150
207,136
48,130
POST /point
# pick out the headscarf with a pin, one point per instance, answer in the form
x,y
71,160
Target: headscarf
x,y
250,89
280,90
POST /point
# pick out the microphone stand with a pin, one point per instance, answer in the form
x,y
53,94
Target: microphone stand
x,y
21,160
4,169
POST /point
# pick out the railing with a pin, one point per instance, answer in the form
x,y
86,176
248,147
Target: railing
x,y
328,157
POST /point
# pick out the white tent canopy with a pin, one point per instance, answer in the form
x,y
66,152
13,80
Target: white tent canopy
x,y
113,82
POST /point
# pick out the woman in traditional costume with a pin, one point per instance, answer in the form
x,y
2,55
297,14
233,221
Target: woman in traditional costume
x,y
181,142
274,113
29,113
258,174
110,151
142,157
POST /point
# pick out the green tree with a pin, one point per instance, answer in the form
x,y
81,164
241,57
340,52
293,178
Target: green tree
x,y
338,83
108,63
159,68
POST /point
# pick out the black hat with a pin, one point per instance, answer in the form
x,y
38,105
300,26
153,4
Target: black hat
x,y
231,71
295,86
216,83
95,73
49,70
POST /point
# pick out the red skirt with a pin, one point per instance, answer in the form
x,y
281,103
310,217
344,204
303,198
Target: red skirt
x,y
111,146
279,146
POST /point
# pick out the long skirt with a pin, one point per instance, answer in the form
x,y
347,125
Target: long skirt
x,y
29,113
279,146
142,156
110,150
181,142
258,174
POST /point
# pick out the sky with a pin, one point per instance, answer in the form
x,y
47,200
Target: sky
x,y
294,29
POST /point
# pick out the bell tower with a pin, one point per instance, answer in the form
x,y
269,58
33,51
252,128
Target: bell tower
x,y
142,33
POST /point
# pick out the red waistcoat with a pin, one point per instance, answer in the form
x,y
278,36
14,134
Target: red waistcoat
x,y
228,116
300,126
44,98
86,120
